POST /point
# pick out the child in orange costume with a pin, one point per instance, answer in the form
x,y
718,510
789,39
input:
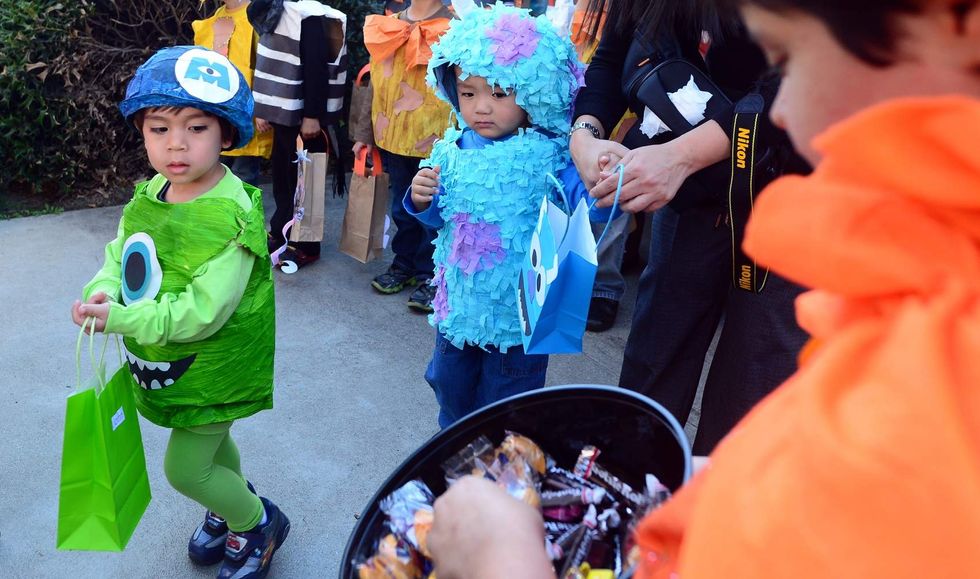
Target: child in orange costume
x,y
864,463
406,119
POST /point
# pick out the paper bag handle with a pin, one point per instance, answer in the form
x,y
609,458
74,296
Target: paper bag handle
x,y
301,144
91,354
360,161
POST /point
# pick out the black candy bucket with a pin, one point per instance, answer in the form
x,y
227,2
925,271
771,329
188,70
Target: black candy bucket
x,y
635,434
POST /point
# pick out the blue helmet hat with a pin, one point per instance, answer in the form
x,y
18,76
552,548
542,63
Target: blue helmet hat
x,y
192,76
513,50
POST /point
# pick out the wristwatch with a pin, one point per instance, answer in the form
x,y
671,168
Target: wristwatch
x,y
585,125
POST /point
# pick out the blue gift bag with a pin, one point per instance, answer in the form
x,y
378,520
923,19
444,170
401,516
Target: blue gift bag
x,y
555,286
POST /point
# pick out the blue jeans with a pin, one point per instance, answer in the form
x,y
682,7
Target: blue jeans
x,y
609,282
412,242
469,379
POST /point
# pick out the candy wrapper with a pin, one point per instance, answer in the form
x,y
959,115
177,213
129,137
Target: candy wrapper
x,y
409,511
394,559
516,466
589,513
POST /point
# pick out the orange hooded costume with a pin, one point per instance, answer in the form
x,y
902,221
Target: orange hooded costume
x,y
865,463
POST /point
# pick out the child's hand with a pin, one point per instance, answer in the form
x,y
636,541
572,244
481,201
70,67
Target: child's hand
x,y
424,186
262,125
96,307
359,145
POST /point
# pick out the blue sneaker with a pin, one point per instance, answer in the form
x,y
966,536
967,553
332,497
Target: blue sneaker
x,y
207,544
248,555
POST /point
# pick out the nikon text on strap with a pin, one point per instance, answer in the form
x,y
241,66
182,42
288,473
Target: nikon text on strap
x,y
746,274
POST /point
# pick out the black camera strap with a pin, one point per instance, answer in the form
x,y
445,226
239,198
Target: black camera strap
x,y
746,274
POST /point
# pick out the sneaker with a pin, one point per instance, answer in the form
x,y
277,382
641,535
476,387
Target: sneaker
x,y
394,280
602,314
421,298
248,555
291,260
207,544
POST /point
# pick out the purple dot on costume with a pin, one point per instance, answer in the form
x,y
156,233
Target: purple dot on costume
x,y
514,38
440,302
475,246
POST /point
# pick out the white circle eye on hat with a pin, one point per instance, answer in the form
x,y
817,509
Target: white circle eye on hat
x,y
207,75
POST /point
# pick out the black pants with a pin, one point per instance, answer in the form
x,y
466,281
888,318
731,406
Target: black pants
x,y
284,181
683,292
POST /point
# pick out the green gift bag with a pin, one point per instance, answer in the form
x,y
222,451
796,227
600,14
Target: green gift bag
x,y
104,486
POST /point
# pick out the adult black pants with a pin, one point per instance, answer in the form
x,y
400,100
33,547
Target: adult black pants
x,y
684,291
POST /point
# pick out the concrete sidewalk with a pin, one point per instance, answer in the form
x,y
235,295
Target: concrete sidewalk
x,y
351,403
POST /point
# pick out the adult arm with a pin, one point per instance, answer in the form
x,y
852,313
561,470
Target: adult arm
x,y
481,532
600,103
653,174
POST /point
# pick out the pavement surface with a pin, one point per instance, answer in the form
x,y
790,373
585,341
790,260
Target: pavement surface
x,y
350,406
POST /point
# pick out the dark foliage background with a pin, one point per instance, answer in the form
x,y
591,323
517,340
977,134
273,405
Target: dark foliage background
x,y
64,65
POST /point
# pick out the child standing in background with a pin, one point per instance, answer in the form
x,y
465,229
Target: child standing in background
x,y
512,79
300,81
406,118
229,33
188,284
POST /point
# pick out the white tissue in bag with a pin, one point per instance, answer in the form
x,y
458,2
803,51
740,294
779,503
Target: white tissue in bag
x,y
691,103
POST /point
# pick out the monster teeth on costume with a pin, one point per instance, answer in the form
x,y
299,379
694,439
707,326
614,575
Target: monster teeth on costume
x,y
141,363
155,385
168,382
136,378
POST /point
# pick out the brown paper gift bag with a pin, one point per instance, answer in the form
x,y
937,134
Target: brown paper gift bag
x,y
363,231
311,186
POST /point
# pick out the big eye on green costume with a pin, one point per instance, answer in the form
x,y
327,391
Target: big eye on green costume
x,y
141,273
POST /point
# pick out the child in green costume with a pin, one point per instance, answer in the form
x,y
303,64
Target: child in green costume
x,y
188,284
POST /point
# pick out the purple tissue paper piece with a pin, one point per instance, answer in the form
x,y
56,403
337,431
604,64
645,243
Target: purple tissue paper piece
x,y
514,37
440,302
475,246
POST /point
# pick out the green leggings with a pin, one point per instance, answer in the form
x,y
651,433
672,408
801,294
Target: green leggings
x,y
202,463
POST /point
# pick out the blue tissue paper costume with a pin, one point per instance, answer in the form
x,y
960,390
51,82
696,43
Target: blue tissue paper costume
x,y
491,192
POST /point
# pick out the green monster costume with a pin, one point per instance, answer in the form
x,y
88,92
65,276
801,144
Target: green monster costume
x,y
227,375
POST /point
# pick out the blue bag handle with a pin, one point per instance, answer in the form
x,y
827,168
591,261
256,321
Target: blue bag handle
x,y
619,190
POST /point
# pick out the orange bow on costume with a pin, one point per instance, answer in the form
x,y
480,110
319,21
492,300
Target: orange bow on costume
x,y
384,35
866,462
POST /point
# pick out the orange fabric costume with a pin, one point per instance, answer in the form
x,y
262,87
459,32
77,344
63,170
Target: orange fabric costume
x,y
865,463
407,117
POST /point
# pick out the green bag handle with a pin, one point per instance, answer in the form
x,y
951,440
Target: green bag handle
x,y
91,353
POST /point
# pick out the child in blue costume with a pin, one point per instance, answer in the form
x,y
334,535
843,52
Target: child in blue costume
x,y
512,79
188,284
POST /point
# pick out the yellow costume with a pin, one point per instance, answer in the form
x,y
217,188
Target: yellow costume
x,y
229,33
406,116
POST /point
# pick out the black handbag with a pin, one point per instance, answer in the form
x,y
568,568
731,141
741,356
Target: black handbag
x,y
654,67
651,84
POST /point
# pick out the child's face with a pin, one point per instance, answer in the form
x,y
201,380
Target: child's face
x,y
823,83
490,111
184,145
